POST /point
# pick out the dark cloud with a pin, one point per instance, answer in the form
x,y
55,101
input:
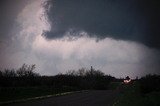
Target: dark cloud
x,y
136,20
9,9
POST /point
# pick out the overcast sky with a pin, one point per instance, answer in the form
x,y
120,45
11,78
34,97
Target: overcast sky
x,y
119,37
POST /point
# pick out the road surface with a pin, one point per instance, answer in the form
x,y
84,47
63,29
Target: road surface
x,y
88,98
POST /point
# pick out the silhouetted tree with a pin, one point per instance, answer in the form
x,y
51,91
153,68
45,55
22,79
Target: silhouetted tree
x,y
80,79
81,72
0,73
24,76
26,71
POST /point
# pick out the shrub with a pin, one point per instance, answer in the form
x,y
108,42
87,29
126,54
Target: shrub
x,y
150,83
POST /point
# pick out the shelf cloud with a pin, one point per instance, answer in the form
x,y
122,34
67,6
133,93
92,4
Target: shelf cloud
x,y
132,20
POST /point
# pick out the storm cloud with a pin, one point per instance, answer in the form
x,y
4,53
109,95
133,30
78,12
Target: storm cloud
x,y
133,20
118,37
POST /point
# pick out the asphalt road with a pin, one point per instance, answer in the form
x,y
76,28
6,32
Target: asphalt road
x,y
88,98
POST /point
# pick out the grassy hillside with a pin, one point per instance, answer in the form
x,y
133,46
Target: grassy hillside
x,y
132,96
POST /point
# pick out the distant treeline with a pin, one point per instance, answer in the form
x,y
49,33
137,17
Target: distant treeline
x,y
80,79
83,78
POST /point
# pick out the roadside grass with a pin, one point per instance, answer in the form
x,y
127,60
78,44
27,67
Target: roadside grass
x,y
114,85
21,93
153,98
18,93
131,96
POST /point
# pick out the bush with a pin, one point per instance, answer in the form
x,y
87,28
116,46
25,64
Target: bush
x,y
150,83
24,76
81,79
